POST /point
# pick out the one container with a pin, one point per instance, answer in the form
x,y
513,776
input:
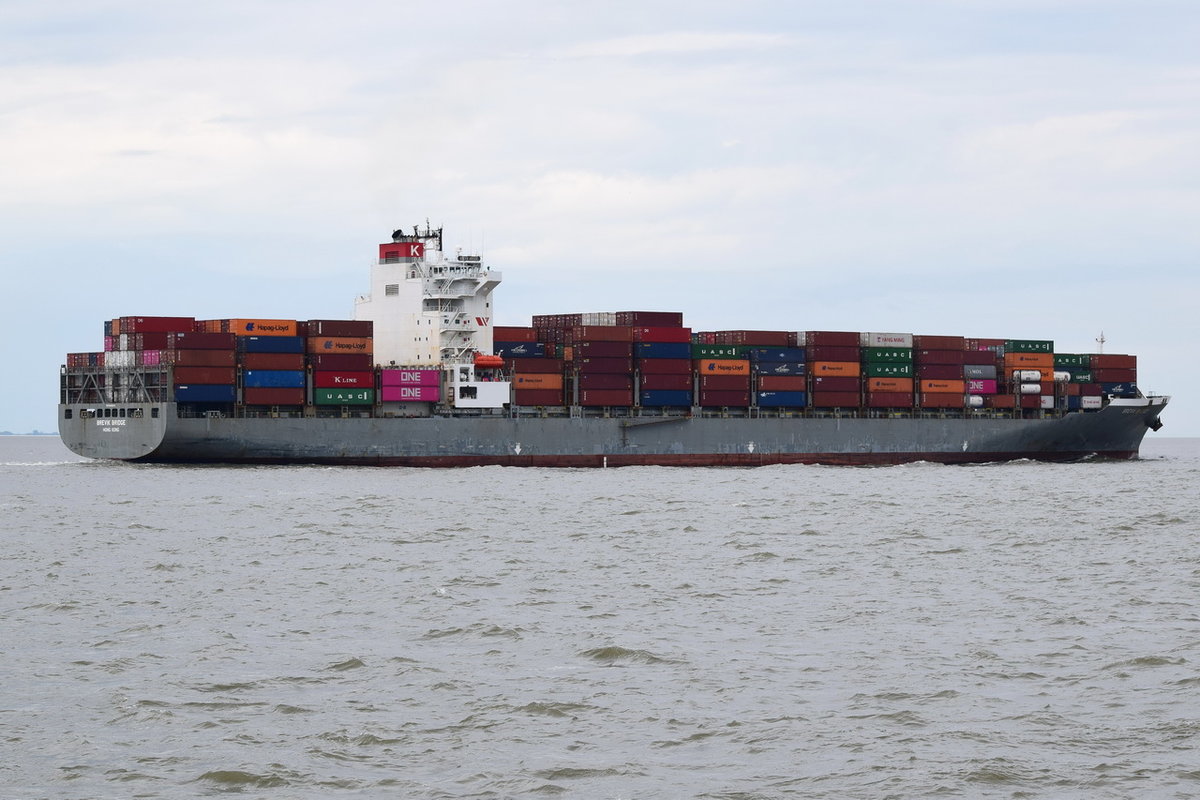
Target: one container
x,y
410,377
982,386
413,394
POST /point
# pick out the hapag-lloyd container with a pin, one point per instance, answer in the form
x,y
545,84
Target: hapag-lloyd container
x,y
410,393
339,344
260,327
722,366
410,377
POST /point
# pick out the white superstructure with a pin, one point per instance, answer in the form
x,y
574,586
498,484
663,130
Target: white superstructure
x,y
428,308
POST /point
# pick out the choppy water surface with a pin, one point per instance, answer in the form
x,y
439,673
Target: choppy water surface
x,y
1018,630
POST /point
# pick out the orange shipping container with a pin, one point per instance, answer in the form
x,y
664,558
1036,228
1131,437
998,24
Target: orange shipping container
x,y
340,344
846,368
1029,361
535,380
721,366
890,385
956,387
260,327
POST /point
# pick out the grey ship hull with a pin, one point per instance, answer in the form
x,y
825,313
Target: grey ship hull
x,y
1116,431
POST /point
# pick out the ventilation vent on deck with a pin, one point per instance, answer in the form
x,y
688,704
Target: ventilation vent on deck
x,y
391,289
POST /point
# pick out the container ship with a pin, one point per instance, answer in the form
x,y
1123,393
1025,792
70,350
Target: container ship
x,y
420,376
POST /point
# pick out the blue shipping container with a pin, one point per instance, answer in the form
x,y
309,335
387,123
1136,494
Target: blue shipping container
x,y
662,350
204,393
273,379
778,367
782,399
666,397
776,353
1120,389
270,344
519,349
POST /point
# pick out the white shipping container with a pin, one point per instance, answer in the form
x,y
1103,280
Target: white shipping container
x,y
974,401
1031,388
600,318
1091,402
1062,377
886,340
1048,402
1026,375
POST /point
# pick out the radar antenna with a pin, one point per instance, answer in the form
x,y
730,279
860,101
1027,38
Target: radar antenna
x,y
1100,340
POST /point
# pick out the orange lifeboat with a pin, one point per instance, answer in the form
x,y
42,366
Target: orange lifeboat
x,y
488,362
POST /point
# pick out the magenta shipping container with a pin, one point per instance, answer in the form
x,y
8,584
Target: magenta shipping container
x,y
410,394
981,386
410,377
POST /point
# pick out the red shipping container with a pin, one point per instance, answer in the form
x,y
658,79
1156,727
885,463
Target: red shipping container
x,y
272,360
272,396
831,338
326,379
724,383
592,349
605,380
662,335
665,366
940,343
1004,401
834,399
509,333
1113,361
339,328
835,383
657,382
889,400
1090,390
1031,401
601,333
1114,375
605,397
151,341
941,400
346,361
534,364
829,352
753,338
619,365
207,375
157,324
538,397
724,398
661,319
930,356
939,372
782,383
199,358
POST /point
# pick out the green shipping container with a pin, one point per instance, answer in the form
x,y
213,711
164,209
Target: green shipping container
x,y
887,355
1081,375
343,397
888,370
700,351
1072,360
1028,346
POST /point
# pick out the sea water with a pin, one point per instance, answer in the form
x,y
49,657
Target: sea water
x,y
1017,630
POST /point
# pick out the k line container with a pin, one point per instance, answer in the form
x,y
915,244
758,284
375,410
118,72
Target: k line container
x,y
412,394
331,379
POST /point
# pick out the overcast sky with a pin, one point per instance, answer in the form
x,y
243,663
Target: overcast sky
x,y
994,168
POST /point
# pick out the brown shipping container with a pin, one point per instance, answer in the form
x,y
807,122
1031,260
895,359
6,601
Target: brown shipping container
x,y
999,401
350,361
1031,401
943,386
601,333
605,380
191,340
602,350
199,358
782,383
1090,389
929,356
835,399
844,368
655,382
156,324
989,345
1113,361
272,360
890,385
272,396
605,397
828,352
665,366
343,328
722,383
208,375
753,338
1114,375
338,344
660,334
721,366
723,398
835,383
537,380
889,399
831,338
618,365
538,397
508,333
652,319
941,400
527,365
939,343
